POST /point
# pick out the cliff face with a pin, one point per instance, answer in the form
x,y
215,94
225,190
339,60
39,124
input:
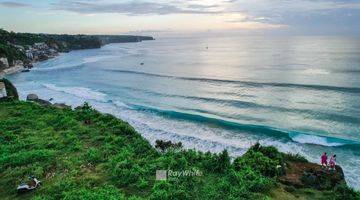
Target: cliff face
x,y
28,47
3,63
311,175
10,89
107,39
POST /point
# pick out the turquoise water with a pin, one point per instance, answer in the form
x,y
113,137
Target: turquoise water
x,y
300,94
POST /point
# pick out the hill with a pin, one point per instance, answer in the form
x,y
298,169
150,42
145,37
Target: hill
x,y
83,154
14,46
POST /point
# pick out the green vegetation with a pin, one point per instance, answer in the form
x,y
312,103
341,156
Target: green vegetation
x,y
61,43
20,38
11,53
83,154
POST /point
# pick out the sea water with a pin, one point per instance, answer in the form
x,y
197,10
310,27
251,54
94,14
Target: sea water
x,y
299,94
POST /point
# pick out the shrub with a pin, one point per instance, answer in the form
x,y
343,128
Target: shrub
x,y
342,192
127,172
93,156
223,162
167,145
269,151
295,158
257,161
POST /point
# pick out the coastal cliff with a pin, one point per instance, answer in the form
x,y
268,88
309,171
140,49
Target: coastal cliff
x,y
83,154
20,50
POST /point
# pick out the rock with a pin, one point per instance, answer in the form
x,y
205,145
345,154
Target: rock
x,y
18,63
35,98
43,102
61,106
322,179
11,90
32,97
4,63
311,175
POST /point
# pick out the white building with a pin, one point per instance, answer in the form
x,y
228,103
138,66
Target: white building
x,y
40,45
29,54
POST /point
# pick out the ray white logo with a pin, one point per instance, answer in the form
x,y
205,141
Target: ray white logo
x,y
163,175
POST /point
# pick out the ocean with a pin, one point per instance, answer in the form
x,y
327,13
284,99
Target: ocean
x,y
299,94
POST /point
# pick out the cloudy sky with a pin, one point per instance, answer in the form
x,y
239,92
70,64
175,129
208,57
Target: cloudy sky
x,y
157,17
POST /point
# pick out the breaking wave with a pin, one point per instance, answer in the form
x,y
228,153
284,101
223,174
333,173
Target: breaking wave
x,y
81,92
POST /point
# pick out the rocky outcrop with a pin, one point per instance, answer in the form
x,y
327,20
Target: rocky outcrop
x,y
4,64
35,98
311,175
61,106
32,97
11,90
43,102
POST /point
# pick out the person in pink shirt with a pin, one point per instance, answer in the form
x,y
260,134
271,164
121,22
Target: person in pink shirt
x,y
324,160
332,162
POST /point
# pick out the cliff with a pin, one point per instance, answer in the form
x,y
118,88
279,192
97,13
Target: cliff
x,y
83,154
28,47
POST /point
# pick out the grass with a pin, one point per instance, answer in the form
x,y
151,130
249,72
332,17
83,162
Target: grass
x,y
83,154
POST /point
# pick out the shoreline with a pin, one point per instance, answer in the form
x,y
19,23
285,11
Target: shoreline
x,y
84,153
64,101
95,89
151,140
12,70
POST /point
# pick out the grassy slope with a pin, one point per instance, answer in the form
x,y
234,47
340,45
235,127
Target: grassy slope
x,y
109,160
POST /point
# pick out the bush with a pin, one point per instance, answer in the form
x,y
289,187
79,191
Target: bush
x,y
257,161
223,162
342,192
167,145
127,172
93,156
295,158
269,151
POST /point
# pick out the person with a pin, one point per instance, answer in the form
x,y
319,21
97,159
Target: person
x,y
324,160
333,162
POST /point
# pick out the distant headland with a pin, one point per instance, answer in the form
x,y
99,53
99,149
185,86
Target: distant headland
x,y
19,50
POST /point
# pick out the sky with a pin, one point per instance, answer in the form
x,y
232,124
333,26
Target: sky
x,y
177,17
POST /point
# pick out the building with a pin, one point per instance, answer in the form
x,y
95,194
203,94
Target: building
x,y
40,46
29,54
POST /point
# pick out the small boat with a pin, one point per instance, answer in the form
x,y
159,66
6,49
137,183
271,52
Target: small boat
x,y
25,187
141,63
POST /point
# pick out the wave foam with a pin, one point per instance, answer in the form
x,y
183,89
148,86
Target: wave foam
x,y
79,64
319,140
81,92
